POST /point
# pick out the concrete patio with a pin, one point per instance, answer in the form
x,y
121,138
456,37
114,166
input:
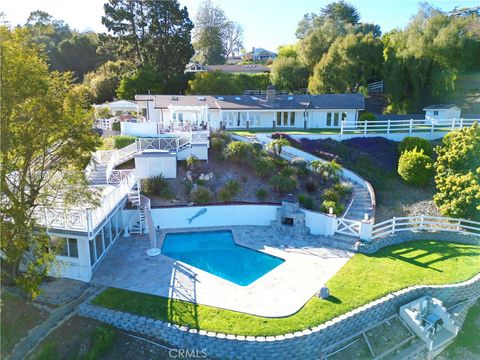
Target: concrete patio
x,y
309,263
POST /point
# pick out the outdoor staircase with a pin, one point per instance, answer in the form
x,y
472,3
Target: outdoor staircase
x,y
344,242
361,204
98,175
139,226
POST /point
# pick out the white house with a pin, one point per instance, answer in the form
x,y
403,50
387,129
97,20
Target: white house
x,y
252,112
260,54
438,113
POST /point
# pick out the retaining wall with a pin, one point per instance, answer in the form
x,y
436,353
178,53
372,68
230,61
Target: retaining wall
x,y
404,236
307,344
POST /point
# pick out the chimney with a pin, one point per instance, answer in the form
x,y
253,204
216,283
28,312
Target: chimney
x,y
270,93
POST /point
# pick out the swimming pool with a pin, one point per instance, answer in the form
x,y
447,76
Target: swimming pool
x,y
217,253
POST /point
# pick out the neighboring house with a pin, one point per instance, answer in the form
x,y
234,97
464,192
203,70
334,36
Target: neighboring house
x,y
228,68
435,113
259,54
245,111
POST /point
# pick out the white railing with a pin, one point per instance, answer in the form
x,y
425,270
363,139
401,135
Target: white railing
x,y
375,86
109,202
199,137
84,219
425,223
405,126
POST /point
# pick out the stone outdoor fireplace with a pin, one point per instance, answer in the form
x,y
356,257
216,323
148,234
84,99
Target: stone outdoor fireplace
x,y
290,218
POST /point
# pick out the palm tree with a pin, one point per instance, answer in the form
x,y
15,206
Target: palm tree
x,y
277,145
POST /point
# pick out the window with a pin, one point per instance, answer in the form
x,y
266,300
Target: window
x,y
67,247
99,244
329,119
174,116
335,119
435,113
292,119
107,234
285,118
180,117
92,253
344,117
279,119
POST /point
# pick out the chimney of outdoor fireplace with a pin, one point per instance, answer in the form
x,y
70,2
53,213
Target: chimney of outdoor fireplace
x,y
270,93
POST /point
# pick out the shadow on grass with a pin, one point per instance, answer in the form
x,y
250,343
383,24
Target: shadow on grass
x,y
333,299
185,311
442,250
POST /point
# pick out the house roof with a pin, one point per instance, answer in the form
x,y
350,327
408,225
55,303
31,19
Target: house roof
x,y
247,102
441,107
234,68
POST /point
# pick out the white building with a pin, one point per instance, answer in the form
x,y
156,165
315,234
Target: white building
x,y
252,112
442,112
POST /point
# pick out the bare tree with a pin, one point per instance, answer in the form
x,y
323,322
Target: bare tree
x,y
233,38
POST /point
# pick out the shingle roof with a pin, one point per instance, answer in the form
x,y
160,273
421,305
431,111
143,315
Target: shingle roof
x,y
440,107
253,68
246,102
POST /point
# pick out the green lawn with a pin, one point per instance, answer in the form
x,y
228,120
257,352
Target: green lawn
x,y
466,345
363,279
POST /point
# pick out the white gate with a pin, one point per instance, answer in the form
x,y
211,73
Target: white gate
x,y
348,227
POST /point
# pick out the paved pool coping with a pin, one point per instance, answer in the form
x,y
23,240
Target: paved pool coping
x,y
310,261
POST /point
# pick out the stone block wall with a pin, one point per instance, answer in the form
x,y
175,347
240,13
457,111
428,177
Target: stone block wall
x,y
377,244
306,344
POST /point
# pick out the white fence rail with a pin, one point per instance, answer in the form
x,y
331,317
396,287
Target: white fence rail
x,y
411,126
425,223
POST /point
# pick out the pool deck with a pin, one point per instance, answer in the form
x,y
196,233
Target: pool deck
x,y
309,263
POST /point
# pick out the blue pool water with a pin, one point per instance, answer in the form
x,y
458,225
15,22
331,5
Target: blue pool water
x,y
217,253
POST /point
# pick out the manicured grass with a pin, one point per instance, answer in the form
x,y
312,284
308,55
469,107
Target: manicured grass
x,y
466,345
363,279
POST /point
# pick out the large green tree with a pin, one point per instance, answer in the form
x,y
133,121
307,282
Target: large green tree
x,y
289,74
47,139
350,62
458,174
423,61
153,33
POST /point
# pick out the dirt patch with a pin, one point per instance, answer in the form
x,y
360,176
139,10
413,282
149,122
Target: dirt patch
x,y
18,316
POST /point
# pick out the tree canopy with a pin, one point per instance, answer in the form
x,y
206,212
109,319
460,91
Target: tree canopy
x,y
215,36
288,73
47,140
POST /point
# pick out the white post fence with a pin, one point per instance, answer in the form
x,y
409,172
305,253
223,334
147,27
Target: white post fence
x,y
410,127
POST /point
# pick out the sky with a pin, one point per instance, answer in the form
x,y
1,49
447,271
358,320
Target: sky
x,y
266,23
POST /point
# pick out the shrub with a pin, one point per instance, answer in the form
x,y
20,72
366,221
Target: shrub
x,y
257,147
301,165
116,126
337,207
261,194
263,167
123,140
187,186
288,171
107,144
310,185
229,190
412,142
458,174
192,162
201,182
283,184
305,201
156,185
239,151
331,195
415,167
201,195
217,145
367,116
343,190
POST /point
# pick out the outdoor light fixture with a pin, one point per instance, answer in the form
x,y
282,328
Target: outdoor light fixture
x,y
365,217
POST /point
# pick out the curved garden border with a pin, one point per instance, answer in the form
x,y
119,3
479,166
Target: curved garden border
x,y
309,343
